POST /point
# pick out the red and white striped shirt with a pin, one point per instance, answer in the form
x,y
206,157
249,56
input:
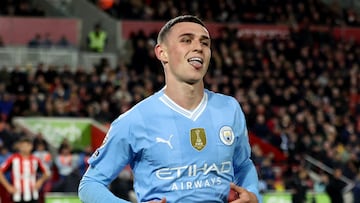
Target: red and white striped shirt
x,y
24,171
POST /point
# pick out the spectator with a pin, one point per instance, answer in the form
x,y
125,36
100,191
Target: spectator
x,y
25,183
47,42
267,174
4,153
33,110
320,184
97,39
67,164
40,140
6,106
84,155
335,187
7,135
43,154
299,186
63,42
104,115
41,151
35,42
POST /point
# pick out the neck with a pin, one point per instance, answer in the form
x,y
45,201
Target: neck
x,y
187,96
25,155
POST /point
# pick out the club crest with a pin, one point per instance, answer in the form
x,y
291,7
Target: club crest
x,y
227,135
198,138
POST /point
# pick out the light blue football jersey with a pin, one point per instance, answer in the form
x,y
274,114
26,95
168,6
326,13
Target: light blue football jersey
x,y
185,156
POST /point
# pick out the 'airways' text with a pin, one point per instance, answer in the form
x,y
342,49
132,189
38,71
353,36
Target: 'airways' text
x,y
189,185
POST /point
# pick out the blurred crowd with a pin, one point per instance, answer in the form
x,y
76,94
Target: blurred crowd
x,y
20,8
300,93
243,11
45,41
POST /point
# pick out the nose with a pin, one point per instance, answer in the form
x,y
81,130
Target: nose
x,y
197,46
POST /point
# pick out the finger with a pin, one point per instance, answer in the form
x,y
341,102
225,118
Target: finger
x,y
234,187
237,188
243,198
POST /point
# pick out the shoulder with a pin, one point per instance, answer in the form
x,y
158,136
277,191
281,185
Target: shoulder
x,y
221,98
139,110
33,157
9,160
13,156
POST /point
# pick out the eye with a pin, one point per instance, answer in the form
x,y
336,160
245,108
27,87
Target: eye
x,y
205,43
186,40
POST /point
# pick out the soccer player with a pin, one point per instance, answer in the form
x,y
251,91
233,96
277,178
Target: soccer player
x,y
184,143
25,169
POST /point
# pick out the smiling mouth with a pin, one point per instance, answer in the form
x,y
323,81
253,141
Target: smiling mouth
x,y
196,62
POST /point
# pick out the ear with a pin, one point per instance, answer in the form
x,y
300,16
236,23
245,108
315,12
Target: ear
x,y
161,54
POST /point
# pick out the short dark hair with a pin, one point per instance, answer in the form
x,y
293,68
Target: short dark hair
x,y
184,18
25,139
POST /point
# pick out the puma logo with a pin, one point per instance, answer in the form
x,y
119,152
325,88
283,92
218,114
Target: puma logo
x,y
168,142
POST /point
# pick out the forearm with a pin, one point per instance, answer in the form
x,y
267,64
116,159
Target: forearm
x,y
247,177
94,192
93,188
42,179
4,181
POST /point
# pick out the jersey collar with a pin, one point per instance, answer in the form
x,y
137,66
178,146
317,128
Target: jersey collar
x,y
191,114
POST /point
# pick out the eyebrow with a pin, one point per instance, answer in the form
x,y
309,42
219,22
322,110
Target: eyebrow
x,y
202,37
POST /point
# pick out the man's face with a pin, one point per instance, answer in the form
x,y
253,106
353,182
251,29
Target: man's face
x,y
186,51
25,148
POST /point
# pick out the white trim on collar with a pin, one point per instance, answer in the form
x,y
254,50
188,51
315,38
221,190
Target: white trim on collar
x,y
191,114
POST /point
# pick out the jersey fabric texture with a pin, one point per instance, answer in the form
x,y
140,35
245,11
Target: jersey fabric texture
x,y
185,156
24,173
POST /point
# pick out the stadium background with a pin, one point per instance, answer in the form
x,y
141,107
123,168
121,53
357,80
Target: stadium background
x,y
293,66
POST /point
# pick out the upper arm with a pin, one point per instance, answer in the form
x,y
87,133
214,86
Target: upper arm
x,y
244,169
6,165
115,153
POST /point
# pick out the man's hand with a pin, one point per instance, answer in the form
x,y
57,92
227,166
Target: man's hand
x,y
244,195
11,189
38,185
163,200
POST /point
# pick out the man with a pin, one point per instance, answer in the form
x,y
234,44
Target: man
x,y
25,169
97,39
184,143
299,185
335,187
